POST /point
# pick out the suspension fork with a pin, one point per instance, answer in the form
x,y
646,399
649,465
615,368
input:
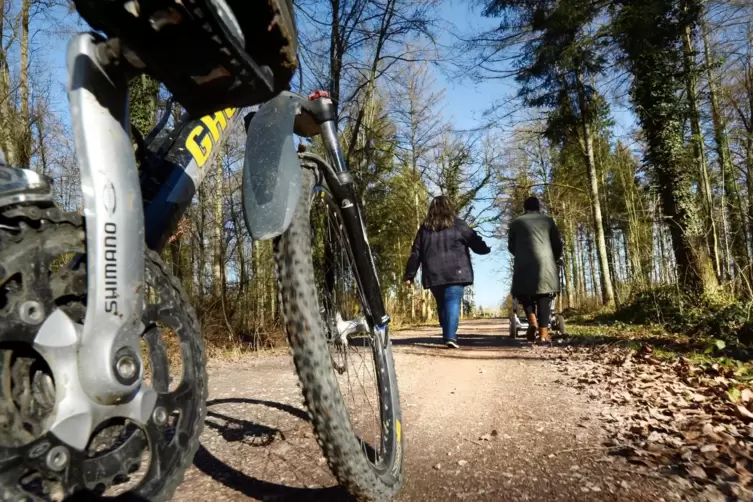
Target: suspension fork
x,y
344,191
341,183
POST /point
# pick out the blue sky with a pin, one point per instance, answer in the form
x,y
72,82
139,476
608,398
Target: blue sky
x,y
465,104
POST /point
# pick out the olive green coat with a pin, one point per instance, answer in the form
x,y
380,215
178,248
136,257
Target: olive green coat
x,y
535,242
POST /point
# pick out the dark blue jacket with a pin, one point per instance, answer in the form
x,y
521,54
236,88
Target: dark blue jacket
x,y
444,255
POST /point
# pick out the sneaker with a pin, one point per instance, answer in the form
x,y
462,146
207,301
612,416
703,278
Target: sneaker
x,y
452,344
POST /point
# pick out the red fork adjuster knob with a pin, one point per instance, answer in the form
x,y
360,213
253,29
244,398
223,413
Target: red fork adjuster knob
x,y
317,95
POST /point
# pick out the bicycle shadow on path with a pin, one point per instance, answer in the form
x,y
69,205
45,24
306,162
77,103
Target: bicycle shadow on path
x,y
258,436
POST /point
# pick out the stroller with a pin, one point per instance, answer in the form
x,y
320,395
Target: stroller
x,y
556,321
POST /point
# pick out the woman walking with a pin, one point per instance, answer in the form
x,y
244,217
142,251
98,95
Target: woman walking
x,y
441,248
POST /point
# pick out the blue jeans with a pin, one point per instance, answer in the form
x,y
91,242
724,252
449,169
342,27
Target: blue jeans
x,y
448,308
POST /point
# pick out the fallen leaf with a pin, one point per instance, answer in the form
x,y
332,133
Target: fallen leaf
x,y
697,398
654,437
726,438
744,413
735,395
674,441
691,435
696,471
708,430
461,463
682,403
438,466
746,395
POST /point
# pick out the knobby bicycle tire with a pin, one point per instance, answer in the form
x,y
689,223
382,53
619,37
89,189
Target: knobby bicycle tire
x,y
306,334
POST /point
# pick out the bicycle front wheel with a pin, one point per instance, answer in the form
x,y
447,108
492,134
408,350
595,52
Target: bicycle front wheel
x,y
346,369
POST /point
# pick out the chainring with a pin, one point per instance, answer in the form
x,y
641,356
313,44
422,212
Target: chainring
x,y
38,273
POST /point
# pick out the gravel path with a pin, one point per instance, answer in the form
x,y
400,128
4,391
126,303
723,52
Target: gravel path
x,y
493,420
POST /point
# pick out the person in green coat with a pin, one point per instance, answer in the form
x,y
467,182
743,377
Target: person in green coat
x,y
536,244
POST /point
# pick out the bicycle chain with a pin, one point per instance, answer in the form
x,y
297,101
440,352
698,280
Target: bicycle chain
x,y
40,215
26,222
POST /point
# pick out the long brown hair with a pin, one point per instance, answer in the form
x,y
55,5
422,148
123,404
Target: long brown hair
x,y
441,214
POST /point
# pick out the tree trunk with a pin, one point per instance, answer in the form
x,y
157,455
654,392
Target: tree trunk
x,y
5,112
656,87
261,298
632,235
44,167
626,263
175,258
417,226
611,249
607,292
567,257
242,268
591,265
569,272
190,283
336,50
699,156
201,234
218,285
661,274
581,257
647,244
748,67
749,180
24,134
733,205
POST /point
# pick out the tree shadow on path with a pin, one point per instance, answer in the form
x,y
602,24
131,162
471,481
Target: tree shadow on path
x,y
256,435
472,346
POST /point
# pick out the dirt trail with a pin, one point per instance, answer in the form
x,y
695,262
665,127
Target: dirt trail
x,y
258,444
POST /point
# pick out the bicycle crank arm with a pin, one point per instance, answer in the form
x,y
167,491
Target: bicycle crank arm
x,y
76,415
97,367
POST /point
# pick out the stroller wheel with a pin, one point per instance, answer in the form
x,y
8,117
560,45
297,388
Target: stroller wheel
x,y
513,327
560,325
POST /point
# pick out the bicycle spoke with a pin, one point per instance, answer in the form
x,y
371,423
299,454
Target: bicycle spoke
x,y
342,302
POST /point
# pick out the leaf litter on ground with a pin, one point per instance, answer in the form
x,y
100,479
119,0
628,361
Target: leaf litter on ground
x,y
672,416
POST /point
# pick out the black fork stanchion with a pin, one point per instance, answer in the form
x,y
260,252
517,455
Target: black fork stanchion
x,y
344,190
